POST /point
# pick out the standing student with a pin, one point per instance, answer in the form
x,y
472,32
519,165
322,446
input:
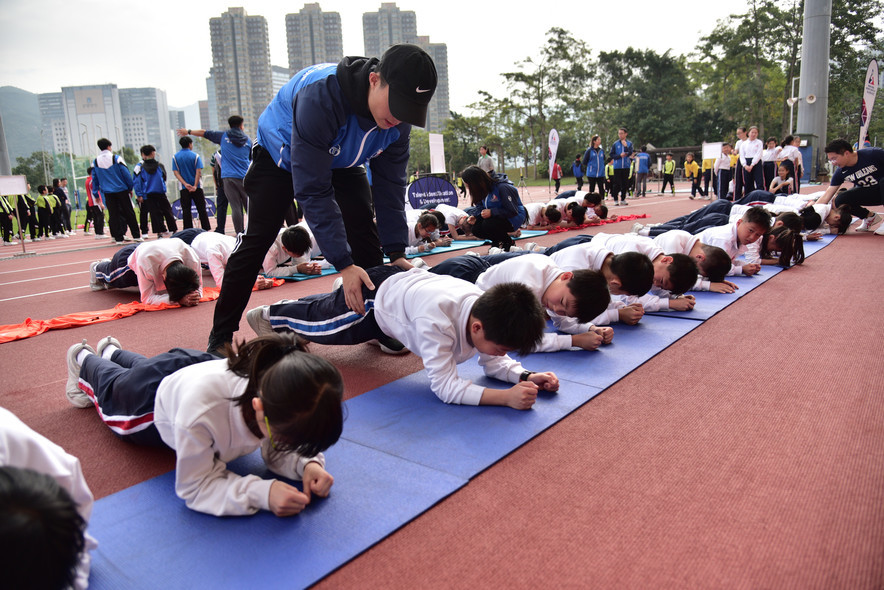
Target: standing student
x,y
150,186
643,163
577,169
738,172
621,154
769,160
594,160
750,162
6,217
668,174
312,141
112,179
556,175
269,394
94,209
445,321
722,168
791,156
188,167
485,161
59,189
221,203
235,149
45,506
692,173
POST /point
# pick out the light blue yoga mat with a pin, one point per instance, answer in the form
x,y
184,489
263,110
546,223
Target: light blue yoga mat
x,y
149,539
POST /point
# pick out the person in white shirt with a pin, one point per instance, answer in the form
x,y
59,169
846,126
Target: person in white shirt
x,y
269,394
64,563
443,320
213,250
750,162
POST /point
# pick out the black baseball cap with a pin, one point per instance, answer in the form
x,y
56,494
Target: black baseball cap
x,y
411,75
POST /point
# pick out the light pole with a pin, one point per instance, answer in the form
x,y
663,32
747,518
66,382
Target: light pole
x,y
792,100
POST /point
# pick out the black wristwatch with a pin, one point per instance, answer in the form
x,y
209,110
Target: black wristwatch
x,y
525,375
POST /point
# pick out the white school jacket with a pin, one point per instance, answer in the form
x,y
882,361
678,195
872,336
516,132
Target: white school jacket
x,y
150,259
430,314
23,448
194,415
213,250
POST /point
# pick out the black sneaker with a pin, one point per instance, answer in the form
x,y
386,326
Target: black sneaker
x,y
217,345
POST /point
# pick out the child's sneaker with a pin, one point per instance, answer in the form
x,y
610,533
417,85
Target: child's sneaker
x,y
77,398
515,249
419,263
389,345
636,227
104,343
95,283
258,322
494,250
471,253
868,222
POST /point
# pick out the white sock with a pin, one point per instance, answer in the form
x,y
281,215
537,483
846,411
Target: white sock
x,y
645,231
108,351
81,356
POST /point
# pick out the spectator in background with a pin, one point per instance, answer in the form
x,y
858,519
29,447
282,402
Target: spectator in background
x,y
556,175
111,177
94,209
59,189
221,202
643,163
485,162
577,169
188,168
594,160
235,151
621,154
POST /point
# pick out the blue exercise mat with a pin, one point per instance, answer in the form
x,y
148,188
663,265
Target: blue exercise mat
x,y
406,419
149,539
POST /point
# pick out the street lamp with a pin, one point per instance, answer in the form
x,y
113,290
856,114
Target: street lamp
x,y
791,102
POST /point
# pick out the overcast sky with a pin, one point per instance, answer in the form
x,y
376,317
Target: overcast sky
x,y
47,44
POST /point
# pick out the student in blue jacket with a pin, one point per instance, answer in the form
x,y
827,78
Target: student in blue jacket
x,y
111,178
312,142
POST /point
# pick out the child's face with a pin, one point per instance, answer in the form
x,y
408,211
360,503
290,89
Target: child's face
x,y
482,344
771,145
726,150
426,232
662,278
833,218
558,297
748,232
689,158
784,172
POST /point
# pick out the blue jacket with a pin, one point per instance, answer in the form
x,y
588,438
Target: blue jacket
x,y
644,162
320,121
235,151
150,178
617,150
594,159
577,169
110,174
503,201
186,162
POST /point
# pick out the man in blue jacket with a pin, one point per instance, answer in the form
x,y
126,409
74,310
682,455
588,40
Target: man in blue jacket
x,y
112,178
188,169
312,142
622,154
235,148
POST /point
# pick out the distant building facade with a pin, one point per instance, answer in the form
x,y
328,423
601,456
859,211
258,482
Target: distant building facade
x,y
313,37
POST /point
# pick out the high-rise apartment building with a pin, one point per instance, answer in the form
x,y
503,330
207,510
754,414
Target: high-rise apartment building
x,y
241,66
146,121
280,78
390,25
313,37
53,129
213,103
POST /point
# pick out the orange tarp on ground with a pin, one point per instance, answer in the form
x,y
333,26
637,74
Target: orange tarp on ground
x,y
616,219
30,327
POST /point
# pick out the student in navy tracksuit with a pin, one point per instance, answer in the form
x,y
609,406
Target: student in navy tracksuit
x,y
150,188
621,154
594,160
312,142
111,178
577,169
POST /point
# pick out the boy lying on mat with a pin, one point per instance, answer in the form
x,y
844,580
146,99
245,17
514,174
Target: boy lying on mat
x,y
443,320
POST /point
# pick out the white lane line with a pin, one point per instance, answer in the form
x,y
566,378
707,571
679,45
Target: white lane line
x,y
44,293
70,274
30,268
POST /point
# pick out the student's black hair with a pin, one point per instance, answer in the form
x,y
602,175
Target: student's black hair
x,y
185,142
846,218
635,271
603,211
180,280
578,156
590,289
683,273
103,143
440,219
623,129
41,188
758,216
147,150
810,218
722,145
716,265
790,245
771,139
302,393
643,148
41,529
89,170
296,240
553,214
578,213
428,220
478,182
55,183
235,121
511,316
791,220
838,146
592,199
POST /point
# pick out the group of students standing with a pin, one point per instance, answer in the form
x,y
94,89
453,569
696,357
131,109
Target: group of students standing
x,y
46,216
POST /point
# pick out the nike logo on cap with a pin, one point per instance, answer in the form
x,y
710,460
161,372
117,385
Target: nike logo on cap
x,y
420,90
